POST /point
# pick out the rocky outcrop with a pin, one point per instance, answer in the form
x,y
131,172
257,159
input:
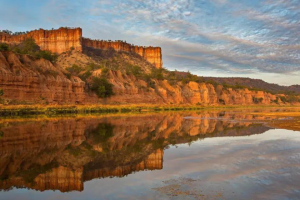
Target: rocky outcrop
x,y
26,80
56,41
63,39
151,54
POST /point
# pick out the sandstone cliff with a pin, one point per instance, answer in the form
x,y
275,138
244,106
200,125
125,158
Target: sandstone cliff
x,y
56,41
63,39
25,80
151,54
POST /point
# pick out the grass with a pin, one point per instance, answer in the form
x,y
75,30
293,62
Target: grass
x,y
23,110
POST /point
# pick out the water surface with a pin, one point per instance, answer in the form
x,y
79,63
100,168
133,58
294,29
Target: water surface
x,y
179,155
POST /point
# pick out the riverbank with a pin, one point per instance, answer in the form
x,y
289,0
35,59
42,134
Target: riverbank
x,y
19,110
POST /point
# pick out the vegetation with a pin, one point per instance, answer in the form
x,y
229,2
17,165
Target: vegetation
x,y
4,47
102,87
75,69
102,133
29,47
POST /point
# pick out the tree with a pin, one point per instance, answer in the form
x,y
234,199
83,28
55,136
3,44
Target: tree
x,y
4,47
1,92
102,87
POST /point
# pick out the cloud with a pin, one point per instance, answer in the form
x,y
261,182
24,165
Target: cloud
x,y
240,36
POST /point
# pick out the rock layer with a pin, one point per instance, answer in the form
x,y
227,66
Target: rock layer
x,y
25,80
56,41
63,39
151,54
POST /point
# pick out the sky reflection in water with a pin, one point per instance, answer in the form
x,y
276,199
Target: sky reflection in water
x,y
260,166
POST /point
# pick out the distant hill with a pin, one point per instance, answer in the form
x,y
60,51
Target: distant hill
x,y
255,83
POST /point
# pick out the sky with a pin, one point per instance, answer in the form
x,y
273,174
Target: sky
x,y
222,38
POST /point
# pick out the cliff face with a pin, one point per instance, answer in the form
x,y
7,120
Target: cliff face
x,y
130,90
56,41
24,79
151,54
62,39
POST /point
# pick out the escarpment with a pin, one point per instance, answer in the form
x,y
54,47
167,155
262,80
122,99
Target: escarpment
x,y
56,41
63,39
28,80
151,54
38,81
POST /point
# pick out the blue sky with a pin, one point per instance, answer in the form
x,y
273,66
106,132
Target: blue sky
x,y
240,38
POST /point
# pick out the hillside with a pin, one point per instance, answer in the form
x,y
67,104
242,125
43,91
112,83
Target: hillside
x,y
112,75
255,83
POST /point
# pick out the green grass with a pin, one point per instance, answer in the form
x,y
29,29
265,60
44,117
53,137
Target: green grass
x,y
10,111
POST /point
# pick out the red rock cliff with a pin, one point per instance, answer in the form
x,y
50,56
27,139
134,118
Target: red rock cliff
x,y
56,41
151,54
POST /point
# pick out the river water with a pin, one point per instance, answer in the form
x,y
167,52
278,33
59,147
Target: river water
x,y
176,155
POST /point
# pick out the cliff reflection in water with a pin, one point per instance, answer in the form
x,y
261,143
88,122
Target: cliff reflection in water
x,y
61,154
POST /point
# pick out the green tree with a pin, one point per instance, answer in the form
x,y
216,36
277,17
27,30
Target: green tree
x,y
4,47
102,87
1,92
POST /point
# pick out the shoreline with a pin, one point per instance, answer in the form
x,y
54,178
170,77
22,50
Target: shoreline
x,y
21,110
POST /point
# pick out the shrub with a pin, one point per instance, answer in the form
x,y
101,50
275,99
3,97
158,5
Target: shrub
x,y
29,47
47,55
4,47
102,87
133,69
157,73
75,69
85,75
257,100
1,92
51,72
102,133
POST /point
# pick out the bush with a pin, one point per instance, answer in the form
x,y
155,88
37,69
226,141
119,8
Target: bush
x,y
4,47
133,69
29,47
75,69
102,87
46,55
157,73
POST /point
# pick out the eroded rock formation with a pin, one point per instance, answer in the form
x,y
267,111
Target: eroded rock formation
x,y
63,39
26,80
57,41
151,54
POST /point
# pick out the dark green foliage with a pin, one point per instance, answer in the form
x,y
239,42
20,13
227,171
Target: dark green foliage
x,y
102,133
51,73
4,47
30,174
1,92
85,75
93,66
257,100
46,55
157,73
102,87
14,33
75,69
221,101
134,70
29,47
